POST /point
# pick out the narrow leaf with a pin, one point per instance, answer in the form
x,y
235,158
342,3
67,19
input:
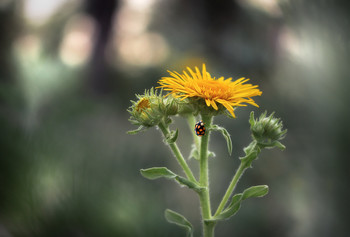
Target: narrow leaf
x,y
139,129
162,172
172,137
279,145
226,135
255,191
194,152
211,154
157,172
235,199
232,208
180,220
189,184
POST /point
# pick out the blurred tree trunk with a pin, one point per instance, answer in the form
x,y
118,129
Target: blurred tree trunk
x,y
103,13
9,22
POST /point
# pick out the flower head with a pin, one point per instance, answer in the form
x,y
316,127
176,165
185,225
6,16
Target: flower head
x,y
150,109
219,94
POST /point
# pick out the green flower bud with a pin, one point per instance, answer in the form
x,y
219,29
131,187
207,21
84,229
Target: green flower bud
x,y
267,131
150,109
168,106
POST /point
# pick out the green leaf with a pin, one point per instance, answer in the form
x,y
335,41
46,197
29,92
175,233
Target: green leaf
x,y
235,200
194,152
172,136
139,129
255,191
162,172
232,208
226,135
211,154
157,172
168,121
252,151
189,184
180,220
279,145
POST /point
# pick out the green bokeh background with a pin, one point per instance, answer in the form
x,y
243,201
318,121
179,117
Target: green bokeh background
x,y
67,166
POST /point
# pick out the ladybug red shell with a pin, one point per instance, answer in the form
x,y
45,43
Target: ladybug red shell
x,y
199,128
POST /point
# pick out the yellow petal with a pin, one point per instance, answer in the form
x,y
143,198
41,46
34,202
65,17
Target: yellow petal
x,y
207,101
204,72
198,73
212,102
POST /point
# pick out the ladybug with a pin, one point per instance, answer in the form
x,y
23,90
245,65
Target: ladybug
x,y
199,128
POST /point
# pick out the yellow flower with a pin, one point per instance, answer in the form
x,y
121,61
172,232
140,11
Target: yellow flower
x,y
226,92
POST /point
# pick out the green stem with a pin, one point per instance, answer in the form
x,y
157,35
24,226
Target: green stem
x,y
208,228
231,187
173,146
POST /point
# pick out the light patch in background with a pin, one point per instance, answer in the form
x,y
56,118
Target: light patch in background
x,y
132,44
41,78
270,7
51,186
304,48
147,49
39,11
28,47
76,46
301,208
306,66
140,5
131,22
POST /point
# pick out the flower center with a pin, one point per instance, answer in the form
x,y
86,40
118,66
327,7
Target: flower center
x,y
213,89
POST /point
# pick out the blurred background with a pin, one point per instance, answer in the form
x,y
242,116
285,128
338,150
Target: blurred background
x,y
68,70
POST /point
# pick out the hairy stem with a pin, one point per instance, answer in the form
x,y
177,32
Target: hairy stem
x,y
177,153
231,187
208,228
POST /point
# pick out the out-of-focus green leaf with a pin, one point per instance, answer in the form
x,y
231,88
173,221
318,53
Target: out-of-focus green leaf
x,y
180,220
157,172
255,191
163,172
232,209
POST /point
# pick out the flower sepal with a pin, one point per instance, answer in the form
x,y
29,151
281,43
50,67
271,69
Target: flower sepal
x,y
272,145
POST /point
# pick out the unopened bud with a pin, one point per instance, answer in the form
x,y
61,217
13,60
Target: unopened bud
x,y
267,131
